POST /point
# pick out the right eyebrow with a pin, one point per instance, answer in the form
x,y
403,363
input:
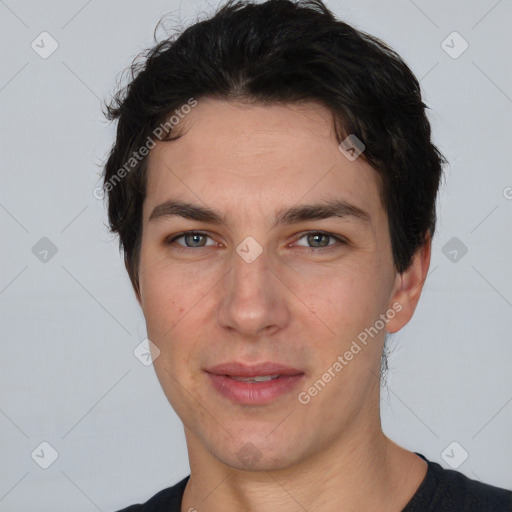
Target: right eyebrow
x,y
189,211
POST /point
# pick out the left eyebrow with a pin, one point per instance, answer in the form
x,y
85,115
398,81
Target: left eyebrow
x,y
307,212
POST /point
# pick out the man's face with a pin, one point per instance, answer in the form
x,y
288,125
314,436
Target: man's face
x,y
262,286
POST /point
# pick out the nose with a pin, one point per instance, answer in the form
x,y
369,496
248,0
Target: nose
x,y
254,298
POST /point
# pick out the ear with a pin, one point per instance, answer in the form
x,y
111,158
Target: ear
x,y
133,280
408,286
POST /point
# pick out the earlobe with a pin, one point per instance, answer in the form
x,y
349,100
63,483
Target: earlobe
x,y
408,286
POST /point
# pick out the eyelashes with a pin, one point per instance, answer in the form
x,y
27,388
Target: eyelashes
x,y
322,234
186,234
197,237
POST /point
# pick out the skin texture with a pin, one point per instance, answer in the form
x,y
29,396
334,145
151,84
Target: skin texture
x,y
299,303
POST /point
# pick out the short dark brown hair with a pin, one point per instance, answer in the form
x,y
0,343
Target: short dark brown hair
x,y
281,51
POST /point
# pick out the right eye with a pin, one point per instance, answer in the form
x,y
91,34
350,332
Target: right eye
x,y
192,239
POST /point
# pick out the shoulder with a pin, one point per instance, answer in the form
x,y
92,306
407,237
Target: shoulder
x,y
166,500
447,490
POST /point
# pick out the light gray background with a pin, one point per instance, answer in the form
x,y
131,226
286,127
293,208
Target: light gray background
x,y
70,325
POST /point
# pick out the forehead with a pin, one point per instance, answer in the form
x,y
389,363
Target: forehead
x,y
233,156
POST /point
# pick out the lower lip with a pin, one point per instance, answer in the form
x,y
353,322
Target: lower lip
x,y
254,393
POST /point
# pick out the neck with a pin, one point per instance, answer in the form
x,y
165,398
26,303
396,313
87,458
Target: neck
x,y
366,472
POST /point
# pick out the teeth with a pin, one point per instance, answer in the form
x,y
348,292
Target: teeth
x,y
259,378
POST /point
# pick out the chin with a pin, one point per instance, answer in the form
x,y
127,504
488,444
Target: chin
x,y
257,455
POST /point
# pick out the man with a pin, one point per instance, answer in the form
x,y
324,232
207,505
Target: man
x,y
273,183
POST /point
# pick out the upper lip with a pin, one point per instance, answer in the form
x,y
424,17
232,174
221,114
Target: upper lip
x,y
237,369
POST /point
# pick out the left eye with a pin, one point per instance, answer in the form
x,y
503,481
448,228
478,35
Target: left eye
x,y
318,239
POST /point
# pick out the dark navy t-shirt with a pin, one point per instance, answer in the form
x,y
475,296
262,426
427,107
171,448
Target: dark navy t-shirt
x,y
442,490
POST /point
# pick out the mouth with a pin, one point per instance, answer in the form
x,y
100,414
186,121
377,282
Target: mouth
x,y
258,378
253,384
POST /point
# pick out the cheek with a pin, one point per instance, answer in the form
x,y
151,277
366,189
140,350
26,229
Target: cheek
x,y
168,293
347,295
164,313
172,308
343,306
161,308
